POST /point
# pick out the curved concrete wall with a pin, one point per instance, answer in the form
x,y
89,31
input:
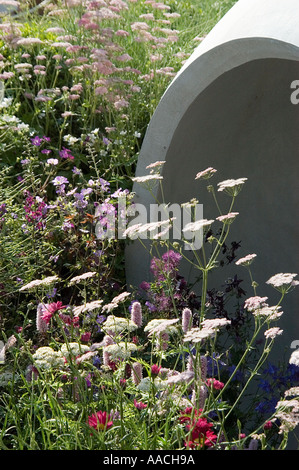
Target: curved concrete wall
x,y
229,107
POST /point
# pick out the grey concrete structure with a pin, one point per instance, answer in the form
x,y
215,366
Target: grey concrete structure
x,y
233,106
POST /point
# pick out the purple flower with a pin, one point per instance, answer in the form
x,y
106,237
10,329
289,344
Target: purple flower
x,y
59,180
36,141
66,153
46,151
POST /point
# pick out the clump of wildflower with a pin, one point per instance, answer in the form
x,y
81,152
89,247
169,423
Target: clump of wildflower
x,y
100,421
46,358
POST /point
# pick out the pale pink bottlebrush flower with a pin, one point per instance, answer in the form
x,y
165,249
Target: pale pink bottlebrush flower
x,y
186,319
41,324
136,314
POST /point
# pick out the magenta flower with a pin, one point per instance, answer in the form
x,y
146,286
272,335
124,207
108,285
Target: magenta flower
x,y
100,421
155,370
139,405
66,153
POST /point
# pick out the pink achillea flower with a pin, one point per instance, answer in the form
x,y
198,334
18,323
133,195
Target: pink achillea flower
x,y
100,421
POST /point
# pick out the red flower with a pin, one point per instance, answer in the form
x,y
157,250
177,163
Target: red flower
x,y
268,425
100,421
139,405
215,384
199,429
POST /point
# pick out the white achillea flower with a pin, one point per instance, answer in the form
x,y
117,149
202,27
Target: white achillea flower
x,y
246,260
46,358
232,186
206,174
87,307
227,218
115,301
73,349
81,277
294,359
273,332
195,335
116,325
292,392
160,325
272,313
197,225
283,281
121,350
254,303
215,323
140,229
39,282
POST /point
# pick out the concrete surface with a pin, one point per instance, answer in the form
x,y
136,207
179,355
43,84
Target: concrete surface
x,y
230,108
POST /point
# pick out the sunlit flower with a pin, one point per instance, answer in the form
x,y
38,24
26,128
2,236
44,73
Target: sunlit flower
x,y
206,174
82,277
232,186
39,282
246,260
100,421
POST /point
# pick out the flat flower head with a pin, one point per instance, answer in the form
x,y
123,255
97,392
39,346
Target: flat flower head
x,y
206,174
246,260
283,282
232,186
